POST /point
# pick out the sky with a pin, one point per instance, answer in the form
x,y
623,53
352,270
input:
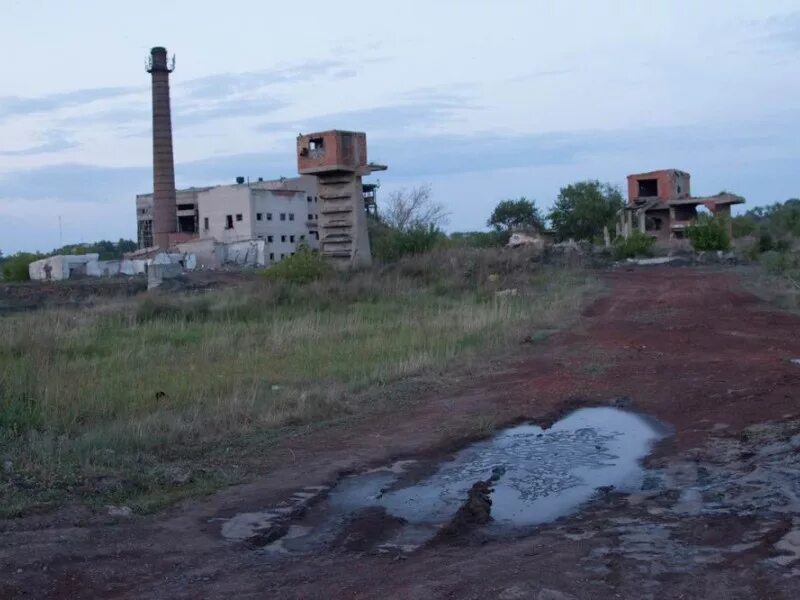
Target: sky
x,y
482,100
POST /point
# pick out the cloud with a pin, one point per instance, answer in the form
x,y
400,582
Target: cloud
x,y
784,29
421,109
226,108
226,84
55,142
13,106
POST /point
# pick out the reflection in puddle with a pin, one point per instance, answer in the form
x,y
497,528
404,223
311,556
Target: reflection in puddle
x,y
539,475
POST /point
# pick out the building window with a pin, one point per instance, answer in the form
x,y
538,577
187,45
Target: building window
x,y
315,198
205,223
272,256
283,238
302,238
291,239
269,216
310,217
228,221
259,216
291,216
283,216
308,198
238,217
283,256
269,239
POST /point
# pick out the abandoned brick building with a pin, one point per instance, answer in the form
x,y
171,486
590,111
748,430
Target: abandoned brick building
x,y
660,204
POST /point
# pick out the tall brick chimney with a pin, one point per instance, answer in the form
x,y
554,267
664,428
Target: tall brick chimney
x,y
165,217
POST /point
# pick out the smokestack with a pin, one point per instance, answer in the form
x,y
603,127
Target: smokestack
x,y
165,216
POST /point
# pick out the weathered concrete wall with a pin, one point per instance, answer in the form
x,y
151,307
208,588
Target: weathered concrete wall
x,y
60,267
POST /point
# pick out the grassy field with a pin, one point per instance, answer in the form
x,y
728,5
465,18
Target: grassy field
x,y
142,401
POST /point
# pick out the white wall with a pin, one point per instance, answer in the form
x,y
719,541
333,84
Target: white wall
x,y
270,199
216,203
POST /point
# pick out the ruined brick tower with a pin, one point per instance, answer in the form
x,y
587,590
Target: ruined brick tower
x,y
339,160
164,205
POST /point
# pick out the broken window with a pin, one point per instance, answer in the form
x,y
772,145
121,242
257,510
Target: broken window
x,y
269,239
283,256
283,238
238,217
302,238
652,224
187,224
205,223
648,188
185,206
272,256
316,147
291,239
308,198
269,216
291,216
228,221
310,217
259,216
283,216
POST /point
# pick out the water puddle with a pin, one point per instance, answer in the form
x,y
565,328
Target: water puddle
x,y
536,475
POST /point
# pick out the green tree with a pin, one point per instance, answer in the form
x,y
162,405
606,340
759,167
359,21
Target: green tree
x,y
709,233
583,209
516,214
15,267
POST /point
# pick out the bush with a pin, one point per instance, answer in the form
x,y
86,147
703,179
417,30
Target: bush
x,y
709,233
480,239
304,266
636,244
15,268
389,245
774,263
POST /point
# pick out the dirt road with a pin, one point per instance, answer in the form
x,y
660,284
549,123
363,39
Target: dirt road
x,y
718,518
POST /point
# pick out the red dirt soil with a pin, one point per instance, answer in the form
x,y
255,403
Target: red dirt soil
x,y
686,346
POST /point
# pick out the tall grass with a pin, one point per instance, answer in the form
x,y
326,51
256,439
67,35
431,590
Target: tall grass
x,y
111,401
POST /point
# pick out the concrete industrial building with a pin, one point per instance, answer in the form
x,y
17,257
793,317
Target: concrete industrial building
x,y
283,213
325,208
338,159
660,204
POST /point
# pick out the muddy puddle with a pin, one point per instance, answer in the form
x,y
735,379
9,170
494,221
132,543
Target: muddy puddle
x,y
532,476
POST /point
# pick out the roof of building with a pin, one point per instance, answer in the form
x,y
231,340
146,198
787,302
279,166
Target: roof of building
x,y
658,172
660,204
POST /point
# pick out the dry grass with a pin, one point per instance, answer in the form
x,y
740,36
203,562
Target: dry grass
x,y
132,400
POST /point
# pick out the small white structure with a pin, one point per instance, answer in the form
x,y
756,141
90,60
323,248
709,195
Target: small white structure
x,y
66,266
61,267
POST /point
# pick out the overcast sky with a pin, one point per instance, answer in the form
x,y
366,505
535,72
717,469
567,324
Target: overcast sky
x,y
483,100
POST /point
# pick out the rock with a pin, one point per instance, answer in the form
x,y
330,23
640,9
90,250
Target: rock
x,y
525,239
506,293
177,475
514,592
548,594
119,511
